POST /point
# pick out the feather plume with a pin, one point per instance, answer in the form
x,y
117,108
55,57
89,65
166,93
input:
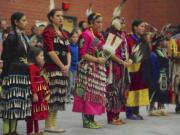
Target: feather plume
x,y
118,9
89,10
51,5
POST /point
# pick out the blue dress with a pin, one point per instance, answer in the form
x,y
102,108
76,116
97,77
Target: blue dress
x,y
159,78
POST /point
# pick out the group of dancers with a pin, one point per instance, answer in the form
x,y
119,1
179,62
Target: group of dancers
x,y
116,72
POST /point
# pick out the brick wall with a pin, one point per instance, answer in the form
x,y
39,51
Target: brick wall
x,y
158,12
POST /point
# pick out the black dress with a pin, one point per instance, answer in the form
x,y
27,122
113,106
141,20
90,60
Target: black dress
x,y
16,94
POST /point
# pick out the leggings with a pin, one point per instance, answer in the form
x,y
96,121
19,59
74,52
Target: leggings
x,y
32,125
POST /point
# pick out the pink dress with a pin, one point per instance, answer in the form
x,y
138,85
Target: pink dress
x,y
90,95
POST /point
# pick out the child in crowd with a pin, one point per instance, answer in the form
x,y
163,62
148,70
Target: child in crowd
x,y
40,90
74,64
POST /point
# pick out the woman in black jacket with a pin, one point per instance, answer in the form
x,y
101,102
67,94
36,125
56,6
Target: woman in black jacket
x,y
15,103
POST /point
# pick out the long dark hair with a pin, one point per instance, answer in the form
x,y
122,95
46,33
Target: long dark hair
x,y
144,47
33,53
52,13
136,23
16,17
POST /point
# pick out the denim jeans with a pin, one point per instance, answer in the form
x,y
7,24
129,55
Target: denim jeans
x,y
71,83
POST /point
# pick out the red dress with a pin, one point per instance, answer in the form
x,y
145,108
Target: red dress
x,y
40,87
57,81
138,94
